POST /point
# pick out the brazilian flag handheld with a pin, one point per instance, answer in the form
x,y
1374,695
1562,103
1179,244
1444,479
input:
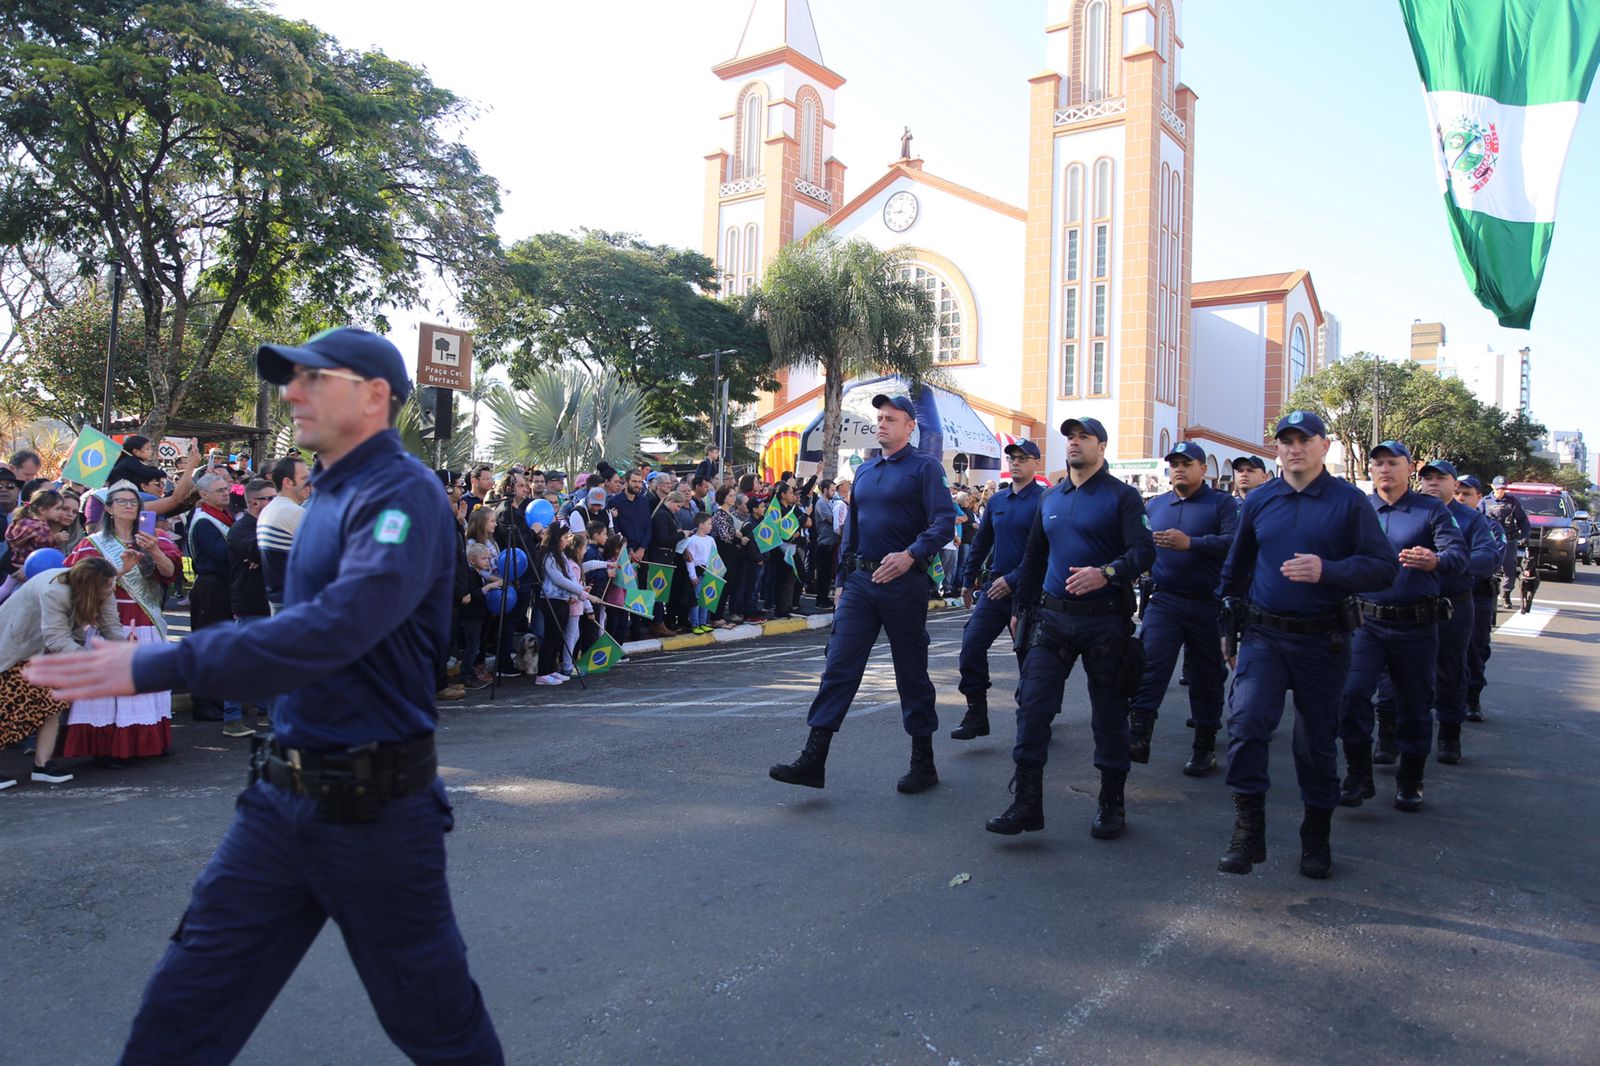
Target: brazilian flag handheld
x,y
936,571
601,656
627,572
711,589
639,601
717,566
92,455
769,533
658,577
789,525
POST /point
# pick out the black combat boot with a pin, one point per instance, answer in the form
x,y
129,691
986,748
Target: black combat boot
x,y
1108,815
1249,843
1474,712
810,768
1141,724
1203,759
922,775
976,722
1408,782
1026,813
1386,751
1358,784
1316,856
1449,743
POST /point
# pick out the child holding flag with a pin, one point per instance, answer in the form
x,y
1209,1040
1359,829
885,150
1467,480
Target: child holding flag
x,y
697,549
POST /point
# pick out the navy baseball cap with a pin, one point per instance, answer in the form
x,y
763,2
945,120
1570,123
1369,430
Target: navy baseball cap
x,y
555,475
1026,447
1471,481
364,352
1088,425
1305,421
1250,460
902,403
1499,481
1393,447
1187,450
1443,466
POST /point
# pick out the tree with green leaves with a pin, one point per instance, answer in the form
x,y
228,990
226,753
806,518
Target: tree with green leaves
x,y
230,159
845,308
613,304
569,419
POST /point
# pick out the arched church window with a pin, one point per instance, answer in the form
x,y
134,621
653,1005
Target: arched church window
x,y
1297,355
730,261
750,134
808,139
1094,51
752,255
947,342
1075,193
1166,444
1165,50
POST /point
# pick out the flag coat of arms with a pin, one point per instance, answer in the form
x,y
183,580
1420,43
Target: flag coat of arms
x,y
93,453
639,601
601,656
1503,82
658,578
768,533
709,594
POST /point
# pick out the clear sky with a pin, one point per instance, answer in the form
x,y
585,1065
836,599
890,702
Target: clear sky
x,y
1312,147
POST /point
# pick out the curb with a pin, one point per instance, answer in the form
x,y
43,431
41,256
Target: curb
x,y
748,631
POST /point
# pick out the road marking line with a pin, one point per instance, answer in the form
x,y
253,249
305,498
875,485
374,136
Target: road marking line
x,y
1527,625
1541,601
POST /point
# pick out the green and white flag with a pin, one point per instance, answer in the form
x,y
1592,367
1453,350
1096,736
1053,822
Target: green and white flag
x,y
1503,81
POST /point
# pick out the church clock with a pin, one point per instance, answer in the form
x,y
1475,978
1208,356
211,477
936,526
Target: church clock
x,y
900,211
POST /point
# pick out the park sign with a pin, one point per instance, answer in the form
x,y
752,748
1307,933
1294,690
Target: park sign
x,y
444,357
1503,82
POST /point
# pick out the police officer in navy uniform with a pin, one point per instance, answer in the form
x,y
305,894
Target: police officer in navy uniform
x,y
1249,471
1439,480
1399,635
901,516
1469,493
345,816
1089,543
994,568
1306,541
1507,510
1193,526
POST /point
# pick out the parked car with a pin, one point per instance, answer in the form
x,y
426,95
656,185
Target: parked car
x,y
1551,512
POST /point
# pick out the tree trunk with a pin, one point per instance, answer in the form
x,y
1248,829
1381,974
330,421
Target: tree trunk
x,y
832,417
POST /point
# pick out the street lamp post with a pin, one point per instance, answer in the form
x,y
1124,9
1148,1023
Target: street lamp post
x,y
111,345
719,411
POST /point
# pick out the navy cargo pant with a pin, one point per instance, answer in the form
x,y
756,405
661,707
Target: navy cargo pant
x,y
1408,653
988,620
1173,623
1484,610
279,874
1453,675
1057,642
1272,664
899,607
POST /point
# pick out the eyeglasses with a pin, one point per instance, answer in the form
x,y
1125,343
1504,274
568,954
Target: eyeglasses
x,y
310,375
123,501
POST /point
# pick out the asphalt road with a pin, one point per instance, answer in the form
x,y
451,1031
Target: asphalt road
x,y
635,890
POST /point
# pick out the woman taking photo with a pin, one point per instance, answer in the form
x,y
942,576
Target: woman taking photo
x,y
53,612
123,727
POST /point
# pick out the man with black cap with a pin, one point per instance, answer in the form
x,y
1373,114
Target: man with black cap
x,y
901,516
1193,526
345,816
1507,510
994,569
1306,541
1089,543
1469,493
1399,634
1248,472
1455,632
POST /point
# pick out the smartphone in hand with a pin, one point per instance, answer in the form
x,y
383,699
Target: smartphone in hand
x,y
147,523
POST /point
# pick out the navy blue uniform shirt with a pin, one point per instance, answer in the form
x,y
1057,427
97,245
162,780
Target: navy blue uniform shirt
x,y
1098,523
1007,521
899,503
633,517
1484,556
1328,518
366,612
1418,521
1210,518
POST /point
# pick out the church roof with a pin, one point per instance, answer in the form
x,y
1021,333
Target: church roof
x,y
912,168
1253,288
774,24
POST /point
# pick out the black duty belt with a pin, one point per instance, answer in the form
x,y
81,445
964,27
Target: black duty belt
x,y
1299,625
1182,594
1418,612
1112,606
350,785
852,563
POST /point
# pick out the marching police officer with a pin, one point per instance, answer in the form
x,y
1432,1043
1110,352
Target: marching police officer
x,y
1507,510
1399,635
901,516
1306,541
1248,472
1090,541
994,567
345,816
1469,492
1193,527
1456,632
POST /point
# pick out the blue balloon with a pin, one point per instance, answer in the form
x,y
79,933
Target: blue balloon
x,y
40,560
540,512
501,600
513,564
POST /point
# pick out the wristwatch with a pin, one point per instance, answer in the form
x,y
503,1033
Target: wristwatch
x,y
1109,571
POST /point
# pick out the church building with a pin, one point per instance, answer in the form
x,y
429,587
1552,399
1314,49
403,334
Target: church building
x,y
1077,303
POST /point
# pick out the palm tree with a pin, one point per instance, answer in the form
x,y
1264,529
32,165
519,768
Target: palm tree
x,y
568,419
845,309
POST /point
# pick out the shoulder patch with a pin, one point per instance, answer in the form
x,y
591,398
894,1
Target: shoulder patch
x,y
392,527
1146,520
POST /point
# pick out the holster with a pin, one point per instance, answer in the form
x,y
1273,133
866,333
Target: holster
x,y
348,786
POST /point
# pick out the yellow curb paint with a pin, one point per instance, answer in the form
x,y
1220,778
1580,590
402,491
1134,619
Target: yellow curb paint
x,y
783,625
692,640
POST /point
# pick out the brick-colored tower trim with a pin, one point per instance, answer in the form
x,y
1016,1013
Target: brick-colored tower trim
x,y
1141,221
1186,100
1037,274
711,238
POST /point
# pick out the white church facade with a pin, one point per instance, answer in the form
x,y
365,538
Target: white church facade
x,y
1079,302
